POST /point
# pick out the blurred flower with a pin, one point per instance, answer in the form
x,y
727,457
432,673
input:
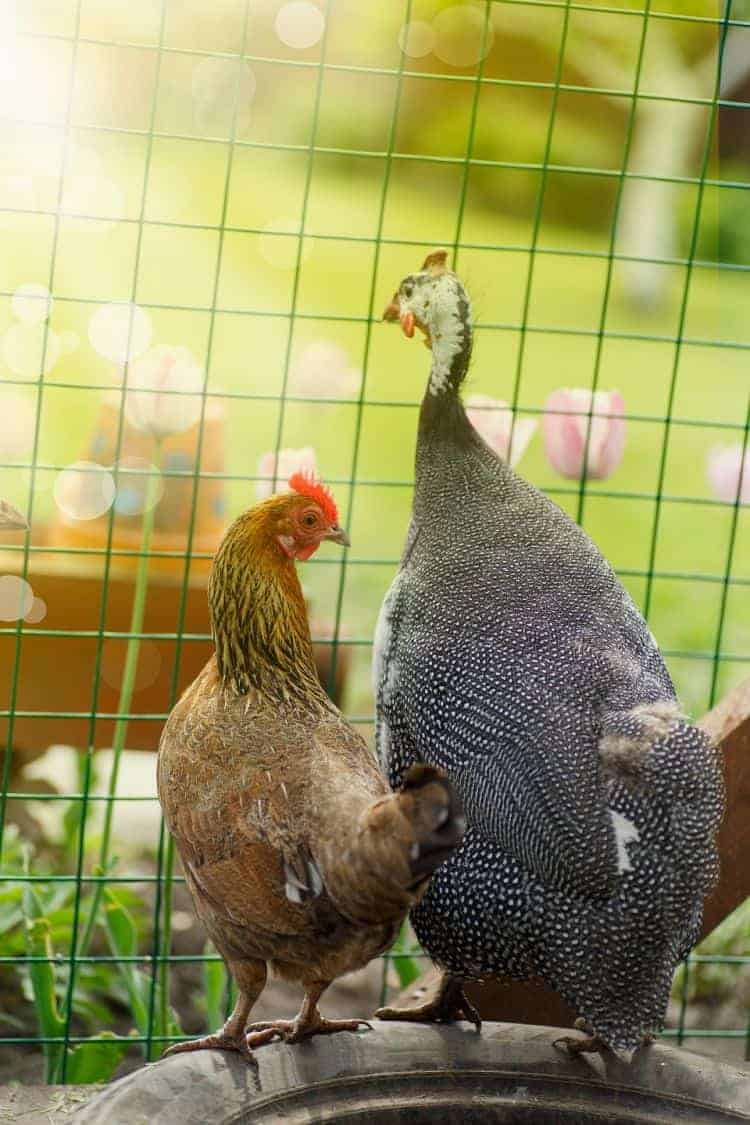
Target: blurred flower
x,y
728,472
164,391
572,419
322,368
277,473
493,419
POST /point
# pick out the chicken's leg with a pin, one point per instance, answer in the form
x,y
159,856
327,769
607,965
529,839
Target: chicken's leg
x,y
446,1003
308,1021
251,978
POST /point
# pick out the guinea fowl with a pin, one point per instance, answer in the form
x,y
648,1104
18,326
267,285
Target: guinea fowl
x,y
508,654
295,851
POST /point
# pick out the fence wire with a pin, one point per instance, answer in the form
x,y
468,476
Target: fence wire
x,y
322,133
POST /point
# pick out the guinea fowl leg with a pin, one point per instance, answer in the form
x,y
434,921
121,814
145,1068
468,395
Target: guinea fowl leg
x,y
307,1022
251,978
446,1003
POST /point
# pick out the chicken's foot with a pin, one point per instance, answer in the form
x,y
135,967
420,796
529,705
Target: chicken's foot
x,y
250,977
447,1004
307,1022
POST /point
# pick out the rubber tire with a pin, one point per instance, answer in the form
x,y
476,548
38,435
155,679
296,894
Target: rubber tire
x,y
425,1075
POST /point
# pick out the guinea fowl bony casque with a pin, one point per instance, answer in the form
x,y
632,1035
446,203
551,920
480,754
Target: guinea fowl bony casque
x,y
295,851
509,655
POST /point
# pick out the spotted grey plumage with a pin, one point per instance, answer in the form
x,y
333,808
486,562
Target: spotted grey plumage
x,y
509,654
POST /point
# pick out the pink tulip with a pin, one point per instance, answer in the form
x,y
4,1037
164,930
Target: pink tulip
x,y
728,472
493,419
571,418
277,473
164,389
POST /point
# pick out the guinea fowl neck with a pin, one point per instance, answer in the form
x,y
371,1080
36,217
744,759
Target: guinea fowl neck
x,y
451,338
259,619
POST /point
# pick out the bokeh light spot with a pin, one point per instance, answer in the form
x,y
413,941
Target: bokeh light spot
x,y
416,39
31,303
279,243
460,36
215,93
84,490
300,24
16,597
113,664
16,426
26,347
37,613
120,332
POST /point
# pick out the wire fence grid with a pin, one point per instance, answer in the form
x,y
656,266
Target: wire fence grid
x,y
203,291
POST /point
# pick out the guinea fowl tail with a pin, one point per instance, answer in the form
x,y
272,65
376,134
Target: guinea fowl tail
x,y
400,841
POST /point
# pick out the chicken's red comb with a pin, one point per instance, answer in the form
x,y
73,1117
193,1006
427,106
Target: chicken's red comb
x,y
307,485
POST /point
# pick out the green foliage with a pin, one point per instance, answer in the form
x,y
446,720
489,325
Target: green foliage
x,y
214,989
94,1061
153,1018
406,960
716,981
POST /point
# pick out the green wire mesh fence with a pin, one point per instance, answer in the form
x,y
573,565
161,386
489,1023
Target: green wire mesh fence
x,y
204,209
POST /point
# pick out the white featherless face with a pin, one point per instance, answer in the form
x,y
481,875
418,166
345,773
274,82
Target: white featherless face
x,y
435,301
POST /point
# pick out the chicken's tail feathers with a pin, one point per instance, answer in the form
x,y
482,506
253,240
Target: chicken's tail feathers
x,y
401,839
432,807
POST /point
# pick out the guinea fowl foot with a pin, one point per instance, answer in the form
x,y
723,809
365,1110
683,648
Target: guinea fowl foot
x,y
294,1031
448,1005
221,1041
590,1044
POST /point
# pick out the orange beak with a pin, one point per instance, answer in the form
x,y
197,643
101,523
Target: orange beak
x,y
393,313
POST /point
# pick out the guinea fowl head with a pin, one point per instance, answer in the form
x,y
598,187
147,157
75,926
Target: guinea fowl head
x,y
435,301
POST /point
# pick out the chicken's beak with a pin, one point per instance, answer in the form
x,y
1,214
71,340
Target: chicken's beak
x,y
337,534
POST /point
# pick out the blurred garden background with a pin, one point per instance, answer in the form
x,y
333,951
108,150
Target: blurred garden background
x,y
204,208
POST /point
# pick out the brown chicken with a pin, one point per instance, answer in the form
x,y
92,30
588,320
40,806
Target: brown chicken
x,y
296,852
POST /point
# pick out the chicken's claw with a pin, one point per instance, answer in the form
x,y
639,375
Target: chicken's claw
x,y
294,1031
221,1041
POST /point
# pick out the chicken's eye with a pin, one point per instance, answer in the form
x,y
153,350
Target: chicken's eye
x,y
408,289
309,520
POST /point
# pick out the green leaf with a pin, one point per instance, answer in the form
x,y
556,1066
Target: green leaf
x,y
95,1061
214,989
